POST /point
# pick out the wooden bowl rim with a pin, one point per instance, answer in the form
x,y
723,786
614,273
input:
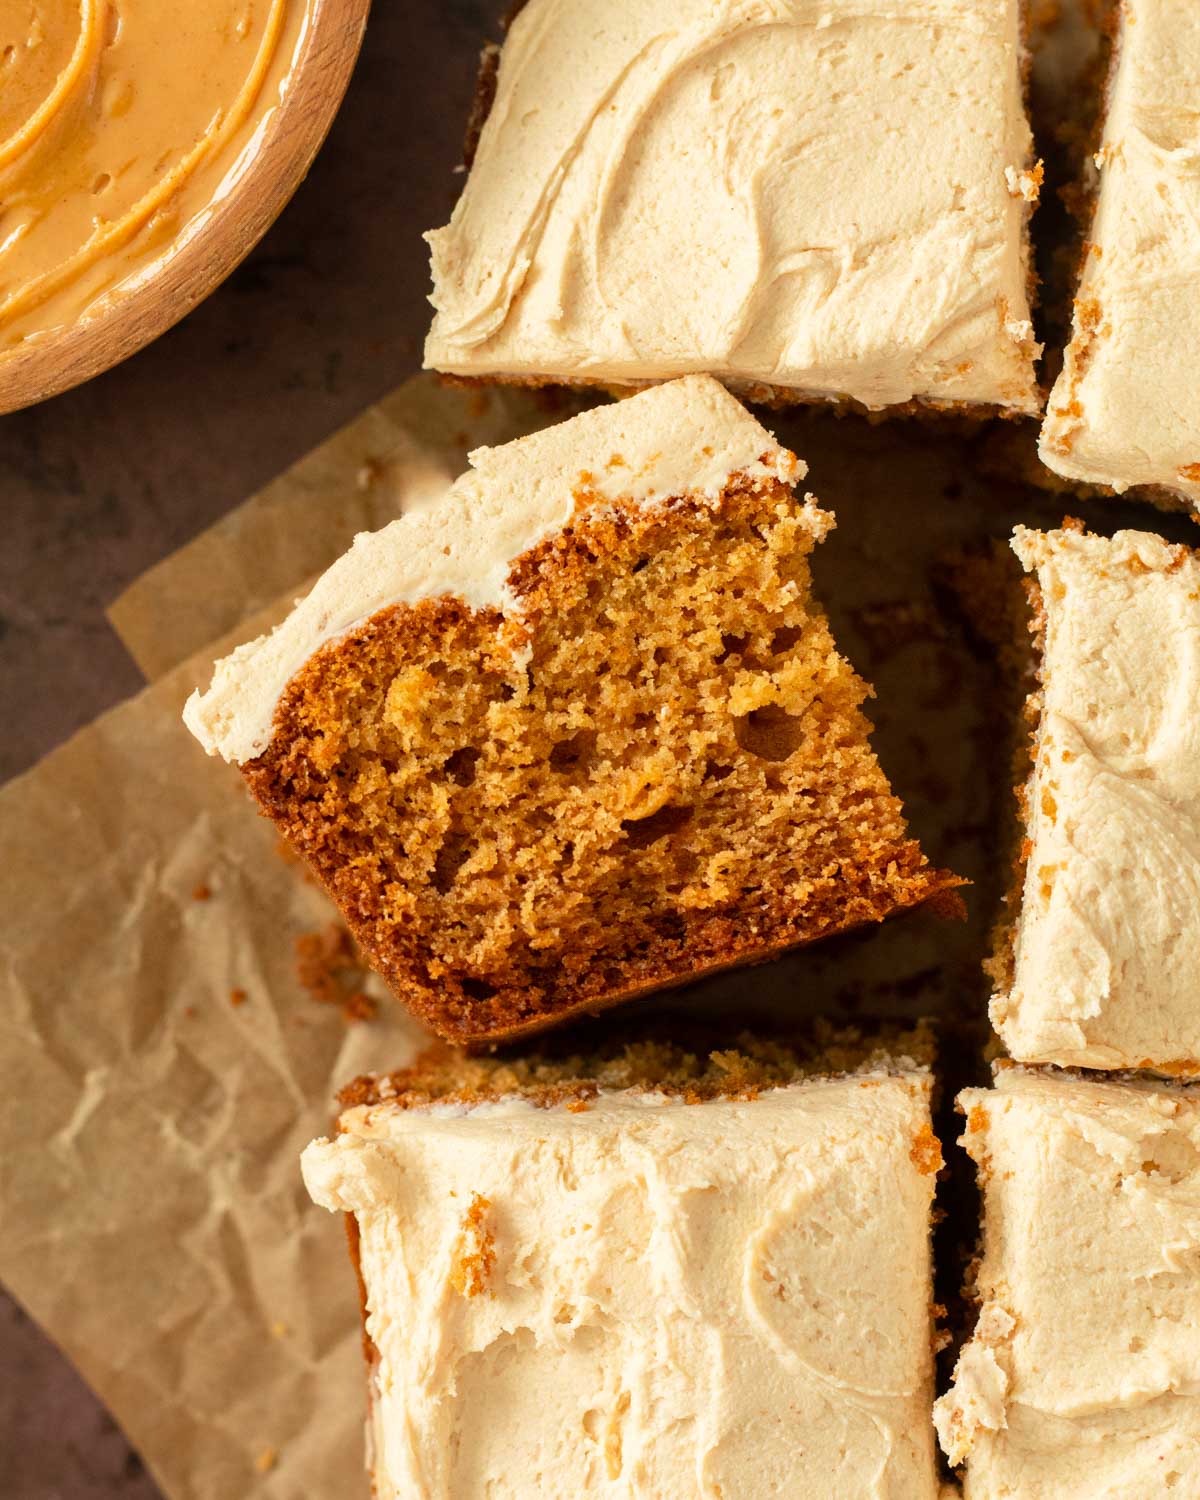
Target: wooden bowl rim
x,y
333,33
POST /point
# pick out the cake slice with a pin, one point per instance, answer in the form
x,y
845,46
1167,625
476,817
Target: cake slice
x,y
1125,411
643,1273
1082,1379
809,201
1099,966
577,730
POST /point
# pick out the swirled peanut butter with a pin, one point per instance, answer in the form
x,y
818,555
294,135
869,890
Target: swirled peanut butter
x,y
122,124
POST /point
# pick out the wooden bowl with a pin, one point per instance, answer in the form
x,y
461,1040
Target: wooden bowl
x,y
125,324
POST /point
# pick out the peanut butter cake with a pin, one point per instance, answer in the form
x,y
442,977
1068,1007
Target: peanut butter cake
x,y
647,1275
577,730
1082,1379
813,199
1126,410
1100,967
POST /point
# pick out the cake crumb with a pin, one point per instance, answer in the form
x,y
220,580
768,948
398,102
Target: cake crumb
x,y
942,1338
926,1152
359,1007
266,1460
369,473
1026,185
613,1456
279,1329
329,968
475,1250
417,749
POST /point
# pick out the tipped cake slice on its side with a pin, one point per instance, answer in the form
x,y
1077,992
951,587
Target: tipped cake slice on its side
x,y
578,730
643,1274
1099,966
1082,1378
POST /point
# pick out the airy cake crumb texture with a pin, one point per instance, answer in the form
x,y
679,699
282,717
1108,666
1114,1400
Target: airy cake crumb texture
x,y
656,767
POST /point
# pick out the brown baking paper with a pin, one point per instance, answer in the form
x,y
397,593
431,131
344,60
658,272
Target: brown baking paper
x,y
153,1218
154,1221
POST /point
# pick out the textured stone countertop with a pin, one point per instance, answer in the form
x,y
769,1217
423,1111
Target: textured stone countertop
x,y
326,315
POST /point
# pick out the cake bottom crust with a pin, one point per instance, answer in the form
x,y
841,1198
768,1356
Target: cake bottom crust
x,y
708,947
758,393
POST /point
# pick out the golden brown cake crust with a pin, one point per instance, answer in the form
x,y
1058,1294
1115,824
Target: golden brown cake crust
x,y
695,1070
481,105
655,769
353,1242
1028,653
758,393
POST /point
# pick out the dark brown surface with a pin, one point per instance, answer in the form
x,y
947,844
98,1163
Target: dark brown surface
x,y
327,314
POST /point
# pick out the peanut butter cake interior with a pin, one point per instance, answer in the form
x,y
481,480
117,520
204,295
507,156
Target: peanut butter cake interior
x,y
577,730
1099,966
1126,410
1082,1379
645,1273
813,199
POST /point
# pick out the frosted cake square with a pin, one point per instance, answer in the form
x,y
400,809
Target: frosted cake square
x,y
1082,1379
808,200
1125,411
1099,966
649,1273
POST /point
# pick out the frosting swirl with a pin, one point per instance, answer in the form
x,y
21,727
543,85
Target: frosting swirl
x,y
820,195
648,1297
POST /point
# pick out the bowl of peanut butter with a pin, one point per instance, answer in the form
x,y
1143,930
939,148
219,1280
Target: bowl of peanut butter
x,y
145,147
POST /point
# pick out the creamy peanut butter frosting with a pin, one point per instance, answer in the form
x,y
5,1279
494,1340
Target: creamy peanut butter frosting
x,y
689,438
822,196
1082,1380
1107,943
646,1297
1126,409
